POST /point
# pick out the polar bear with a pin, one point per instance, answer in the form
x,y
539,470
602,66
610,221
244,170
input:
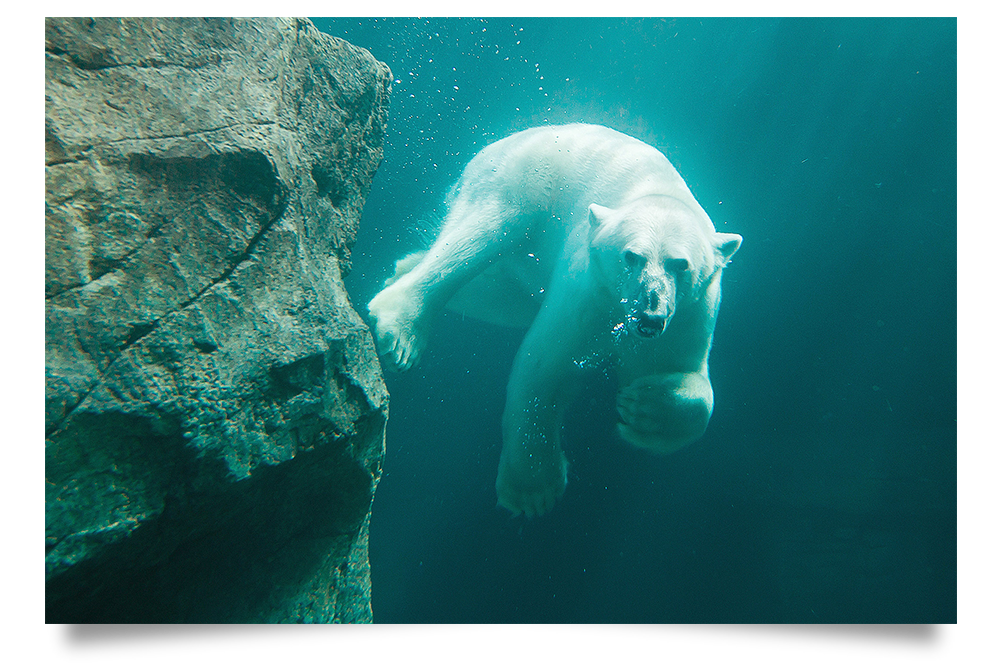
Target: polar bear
x,y
591,240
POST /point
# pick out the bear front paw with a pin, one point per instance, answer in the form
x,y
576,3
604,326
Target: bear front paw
x,y
531,488
665,412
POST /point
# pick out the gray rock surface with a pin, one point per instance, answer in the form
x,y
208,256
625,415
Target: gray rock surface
x,y
214,409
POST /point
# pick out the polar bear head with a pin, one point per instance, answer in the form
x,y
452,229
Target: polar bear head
x,y
656,253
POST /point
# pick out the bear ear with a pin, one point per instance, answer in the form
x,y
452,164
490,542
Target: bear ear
x,y
726,245
598,214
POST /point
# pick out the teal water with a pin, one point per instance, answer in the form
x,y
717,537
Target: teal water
x,y
825,487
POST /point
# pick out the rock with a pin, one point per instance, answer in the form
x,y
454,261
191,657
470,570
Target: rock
x,y
214,407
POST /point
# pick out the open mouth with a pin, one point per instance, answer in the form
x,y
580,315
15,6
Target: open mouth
x,y
650,327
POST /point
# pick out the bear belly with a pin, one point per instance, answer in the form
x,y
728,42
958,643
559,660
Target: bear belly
x,y
508,293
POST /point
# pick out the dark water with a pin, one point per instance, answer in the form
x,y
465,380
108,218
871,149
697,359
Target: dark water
x,y
825,487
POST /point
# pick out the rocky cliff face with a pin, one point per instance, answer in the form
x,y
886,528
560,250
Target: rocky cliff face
x,y
214,408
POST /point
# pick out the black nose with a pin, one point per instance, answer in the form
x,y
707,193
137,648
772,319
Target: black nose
x,y
650,325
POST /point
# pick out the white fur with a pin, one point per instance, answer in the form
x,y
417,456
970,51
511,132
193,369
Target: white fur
x,y
593,241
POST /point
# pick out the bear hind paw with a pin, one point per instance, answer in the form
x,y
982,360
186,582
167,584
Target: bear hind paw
x,y
398,333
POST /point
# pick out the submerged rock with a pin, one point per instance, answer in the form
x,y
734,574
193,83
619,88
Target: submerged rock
x,y
214,407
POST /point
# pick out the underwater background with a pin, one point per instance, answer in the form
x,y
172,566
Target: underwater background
x,y
825,487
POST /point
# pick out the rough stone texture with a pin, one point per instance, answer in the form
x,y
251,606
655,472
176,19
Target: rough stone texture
x,y
214,408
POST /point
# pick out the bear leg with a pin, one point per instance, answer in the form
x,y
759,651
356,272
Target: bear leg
x,y
543,382
532,473
473,234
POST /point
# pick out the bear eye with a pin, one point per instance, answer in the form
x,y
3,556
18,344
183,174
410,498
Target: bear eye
x,y
676,265
633,260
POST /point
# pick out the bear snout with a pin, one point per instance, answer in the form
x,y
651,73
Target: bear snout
x,y
649,313
652,300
